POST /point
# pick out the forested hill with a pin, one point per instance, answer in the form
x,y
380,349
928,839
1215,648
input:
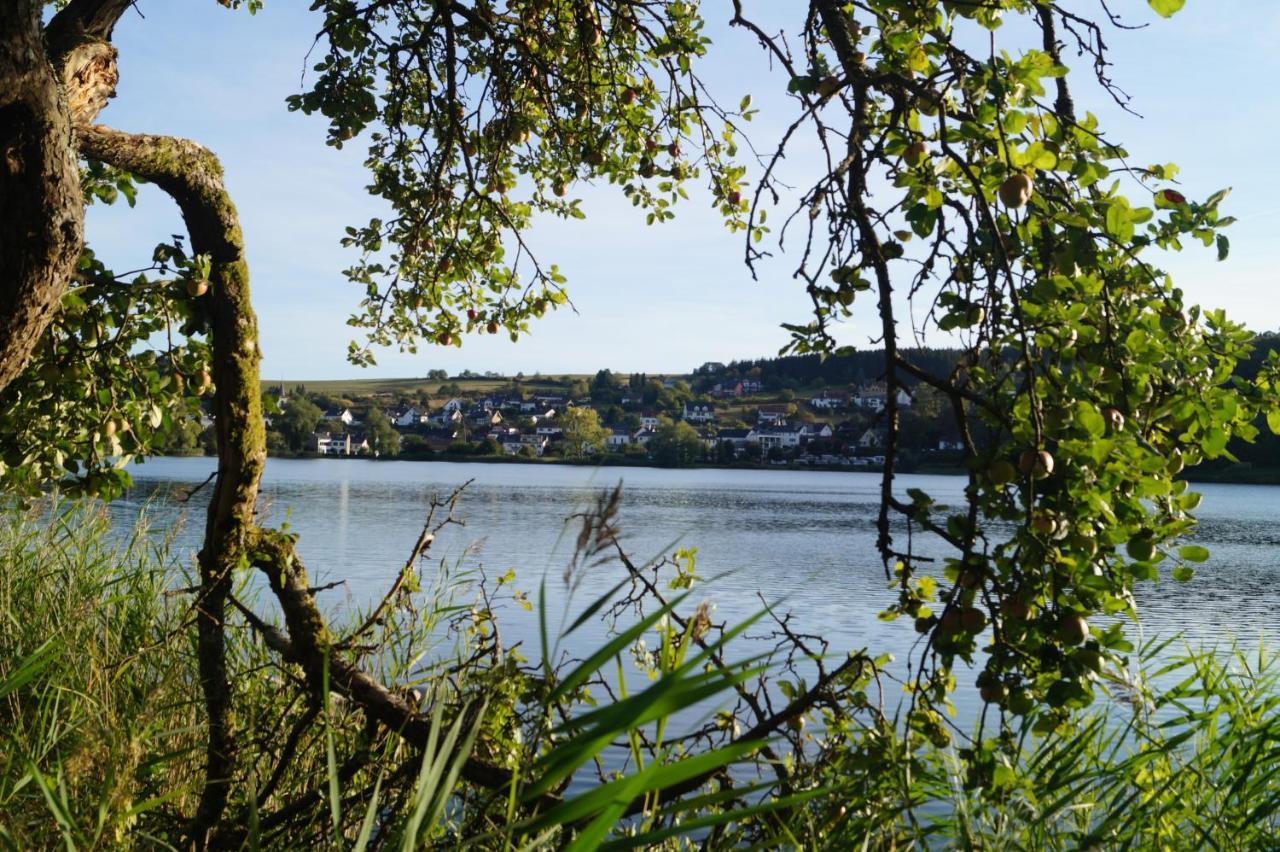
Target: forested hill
x,y
868,366
856,367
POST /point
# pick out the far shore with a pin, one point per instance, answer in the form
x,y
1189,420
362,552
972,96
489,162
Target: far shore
x,y
1233,474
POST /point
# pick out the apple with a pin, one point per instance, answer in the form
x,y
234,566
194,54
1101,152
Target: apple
x,y
1002,472
1141,547
629,96
1085,545
1072,628
1037,464
469,148
444,338
1090,658
1016,191
1115,418
559,189
973,620
197,287
994,693
471,314
492,327
949,624
734,197
1044,522
674,149
109,428
915,154
203,381
1015,608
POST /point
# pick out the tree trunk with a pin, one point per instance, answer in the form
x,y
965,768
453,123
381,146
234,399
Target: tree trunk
x,y
41,205
192,176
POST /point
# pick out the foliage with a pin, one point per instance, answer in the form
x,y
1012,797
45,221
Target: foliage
x,y
122,364
480,118
298,421
581,431
675,443
956,168
383,438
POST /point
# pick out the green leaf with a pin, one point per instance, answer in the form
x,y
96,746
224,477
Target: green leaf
x,y
1193,553
1090,420
1183,573
1273,421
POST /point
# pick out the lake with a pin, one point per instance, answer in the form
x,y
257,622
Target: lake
x,y
804,540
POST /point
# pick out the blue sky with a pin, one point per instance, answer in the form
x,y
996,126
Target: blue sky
x,y
660,299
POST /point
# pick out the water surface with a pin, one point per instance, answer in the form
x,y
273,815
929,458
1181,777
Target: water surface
x,y
802,540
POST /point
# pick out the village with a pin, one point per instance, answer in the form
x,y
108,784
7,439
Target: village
x,y
703,418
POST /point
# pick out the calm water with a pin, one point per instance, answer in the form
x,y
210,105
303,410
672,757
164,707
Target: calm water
x,y
804,540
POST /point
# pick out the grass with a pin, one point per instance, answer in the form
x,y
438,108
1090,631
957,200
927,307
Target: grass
x,y
101,732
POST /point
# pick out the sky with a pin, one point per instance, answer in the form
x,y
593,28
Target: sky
x,y
660,299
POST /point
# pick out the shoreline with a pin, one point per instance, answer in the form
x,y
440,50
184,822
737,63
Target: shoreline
x,y
1229,475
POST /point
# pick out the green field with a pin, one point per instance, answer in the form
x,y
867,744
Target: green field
x,y
367,387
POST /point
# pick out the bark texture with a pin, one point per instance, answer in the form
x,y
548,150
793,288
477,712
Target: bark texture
x,y
192,176
41,205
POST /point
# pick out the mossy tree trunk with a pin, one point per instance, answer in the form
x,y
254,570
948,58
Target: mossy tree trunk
x,y
192,176
41,206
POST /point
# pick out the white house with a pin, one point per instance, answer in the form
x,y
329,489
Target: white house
x,y
785,436
340,415
699,412
538,442
410,416
875,397
642,436
446,417
810,431
330,443
649,419
770,414
829,400
619,437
